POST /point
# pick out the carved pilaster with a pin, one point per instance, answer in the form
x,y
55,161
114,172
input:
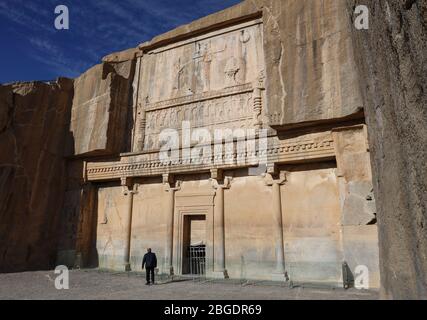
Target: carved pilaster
x,y
216,174
220,270
271,169
142,115
257,108
280,272
129,190
257,100
168,182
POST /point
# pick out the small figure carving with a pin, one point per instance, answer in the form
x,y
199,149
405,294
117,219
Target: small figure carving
x,y
245,36
179,72
231,70
204,58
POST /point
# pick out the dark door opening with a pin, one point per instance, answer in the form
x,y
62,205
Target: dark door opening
x,y
194,245
197,259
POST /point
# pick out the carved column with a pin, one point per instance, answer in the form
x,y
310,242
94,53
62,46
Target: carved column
x,y
129,189
259,86
220,270
168,181
257,108
279,273
142,124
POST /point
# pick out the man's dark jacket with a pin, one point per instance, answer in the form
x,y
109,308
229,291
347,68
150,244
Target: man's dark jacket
x,y
150,260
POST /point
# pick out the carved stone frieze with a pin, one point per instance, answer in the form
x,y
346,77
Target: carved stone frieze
x,y
213,81
149,164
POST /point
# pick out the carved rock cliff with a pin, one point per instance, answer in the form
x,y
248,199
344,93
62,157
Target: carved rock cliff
x,y
34,121
392,60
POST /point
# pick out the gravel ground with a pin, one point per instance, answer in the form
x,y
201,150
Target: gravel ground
x,y
100,285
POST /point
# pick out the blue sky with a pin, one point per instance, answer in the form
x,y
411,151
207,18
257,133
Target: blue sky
x,y
32,49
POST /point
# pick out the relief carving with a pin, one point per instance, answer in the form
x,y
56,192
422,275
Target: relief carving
x,y
204,58
232,68
209,81
235,111
181,77
245,37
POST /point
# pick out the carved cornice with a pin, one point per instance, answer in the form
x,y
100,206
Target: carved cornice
x,y
147,165
239,89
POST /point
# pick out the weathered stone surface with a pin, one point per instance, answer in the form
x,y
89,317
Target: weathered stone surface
x,y
212,73
208,81
355,178
360,247
100,109
244,11
358,209
392,60
122,56
311,218
309,57
34,125
310,54
310,65
76,244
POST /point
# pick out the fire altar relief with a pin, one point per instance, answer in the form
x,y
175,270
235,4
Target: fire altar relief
x,y
213,81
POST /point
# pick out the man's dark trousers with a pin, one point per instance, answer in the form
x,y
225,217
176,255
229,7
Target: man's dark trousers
x,y
150,271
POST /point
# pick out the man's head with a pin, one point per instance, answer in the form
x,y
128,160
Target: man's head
x,y
149,250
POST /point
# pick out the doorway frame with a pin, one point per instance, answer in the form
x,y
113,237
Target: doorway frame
x,y
187,230
190,204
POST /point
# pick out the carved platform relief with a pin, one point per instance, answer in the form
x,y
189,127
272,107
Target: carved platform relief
x,y
209,81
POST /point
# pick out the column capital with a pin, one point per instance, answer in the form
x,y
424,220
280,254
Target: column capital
x,y
270,181
128,186
217,175
167,178
226,183
271,168
170,184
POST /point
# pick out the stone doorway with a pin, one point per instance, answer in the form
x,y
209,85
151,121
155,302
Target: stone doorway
x,y
194,245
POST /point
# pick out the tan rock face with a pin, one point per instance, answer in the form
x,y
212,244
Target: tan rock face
x,y
309,57
33,130
392,60
207,80
261,64
122,56
212,73
309,62
100,109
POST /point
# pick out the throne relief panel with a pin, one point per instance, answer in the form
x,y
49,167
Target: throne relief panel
x,y
230,112
209,80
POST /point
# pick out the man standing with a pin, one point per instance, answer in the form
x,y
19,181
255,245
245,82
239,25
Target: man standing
x,y
150,262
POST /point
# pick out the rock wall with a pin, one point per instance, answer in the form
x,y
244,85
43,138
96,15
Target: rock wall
x,y
310,63
318,68
46,129
34,121
101,125
309,57
392,60
100,109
